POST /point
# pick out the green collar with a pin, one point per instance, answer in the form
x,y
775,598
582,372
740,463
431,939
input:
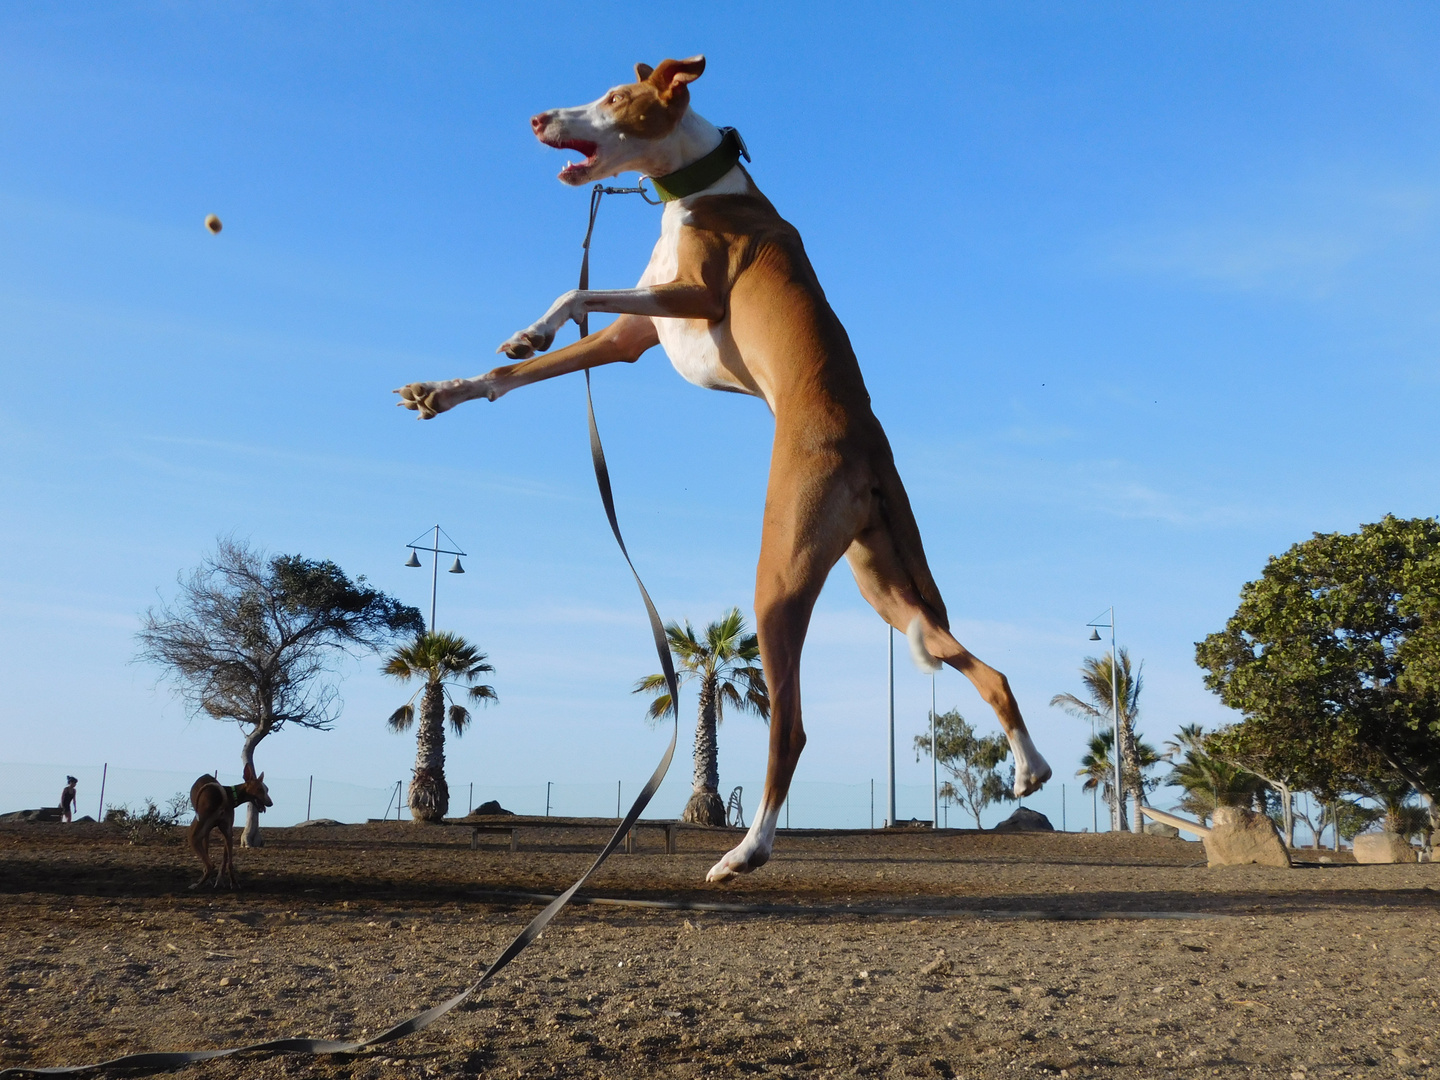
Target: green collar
x,y
699,175
237,793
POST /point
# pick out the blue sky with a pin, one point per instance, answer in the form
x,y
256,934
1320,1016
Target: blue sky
x,y
1143,294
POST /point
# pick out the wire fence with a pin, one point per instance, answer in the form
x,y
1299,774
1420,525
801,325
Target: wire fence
x,y
811,805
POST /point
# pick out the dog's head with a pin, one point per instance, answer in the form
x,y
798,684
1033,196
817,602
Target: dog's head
x,y
256,789
622,129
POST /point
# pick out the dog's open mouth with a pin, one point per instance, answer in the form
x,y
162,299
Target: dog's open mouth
x,y
575,169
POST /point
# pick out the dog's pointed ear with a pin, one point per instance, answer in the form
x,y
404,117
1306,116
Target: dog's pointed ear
x,y
673,75
249,771
642,72
261,778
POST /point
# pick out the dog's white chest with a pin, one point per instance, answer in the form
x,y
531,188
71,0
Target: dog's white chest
x,y
702,352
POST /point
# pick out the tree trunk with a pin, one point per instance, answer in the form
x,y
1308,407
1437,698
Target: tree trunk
x,y
705,806
429,794
1287,813
250,835
1428,839
1130,772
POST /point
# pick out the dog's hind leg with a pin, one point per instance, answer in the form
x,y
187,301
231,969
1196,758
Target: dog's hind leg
x,y
811,512
199,840
890,569
227,833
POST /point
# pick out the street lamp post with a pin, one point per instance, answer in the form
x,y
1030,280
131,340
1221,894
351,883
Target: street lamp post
x,y
436,551
890,819
1096,626
934,766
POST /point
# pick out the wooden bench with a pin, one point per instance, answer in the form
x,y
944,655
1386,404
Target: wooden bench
x,y
672,832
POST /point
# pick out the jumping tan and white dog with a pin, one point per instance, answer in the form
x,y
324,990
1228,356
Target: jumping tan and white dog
x,y
215,806
731,295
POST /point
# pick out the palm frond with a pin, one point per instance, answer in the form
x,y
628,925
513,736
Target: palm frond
x,y
1075,707
650,684
459,719
482,693
402,718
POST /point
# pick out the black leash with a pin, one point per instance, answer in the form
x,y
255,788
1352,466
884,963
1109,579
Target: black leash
x,y
423,1020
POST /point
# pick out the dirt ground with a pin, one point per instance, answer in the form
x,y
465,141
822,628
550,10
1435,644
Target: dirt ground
x,y
1039,954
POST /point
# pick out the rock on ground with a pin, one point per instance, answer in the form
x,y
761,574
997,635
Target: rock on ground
x,y
1383,847
1025,820
1240,837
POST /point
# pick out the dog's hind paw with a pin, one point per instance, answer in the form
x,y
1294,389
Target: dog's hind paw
x,y
735,862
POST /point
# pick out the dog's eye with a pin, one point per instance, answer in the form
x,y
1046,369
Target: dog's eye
x,y
614,99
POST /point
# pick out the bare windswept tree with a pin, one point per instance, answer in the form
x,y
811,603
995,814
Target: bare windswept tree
x,y
253,639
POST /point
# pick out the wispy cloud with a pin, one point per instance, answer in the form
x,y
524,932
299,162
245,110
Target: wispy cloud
x,y
1303,240
1082,487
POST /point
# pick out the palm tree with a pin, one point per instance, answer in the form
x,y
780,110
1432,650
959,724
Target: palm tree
x,y
723,662
1097,768
1209,782
439,658
1096,674
1399,812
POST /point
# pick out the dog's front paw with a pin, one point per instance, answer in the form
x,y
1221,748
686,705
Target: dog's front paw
x,y
526,343
430,399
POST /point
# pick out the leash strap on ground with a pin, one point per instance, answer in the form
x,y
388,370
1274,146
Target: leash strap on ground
x,y
421,1021
908,912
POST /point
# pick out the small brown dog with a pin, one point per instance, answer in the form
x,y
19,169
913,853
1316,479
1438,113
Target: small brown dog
x,y
215,806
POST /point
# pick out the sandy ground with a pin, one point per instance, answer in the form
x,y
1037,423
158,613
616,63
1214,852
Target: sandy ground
x,y
1312,972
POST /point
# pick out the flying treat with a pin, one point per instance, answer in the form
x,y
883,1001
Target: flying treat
x,y
213,224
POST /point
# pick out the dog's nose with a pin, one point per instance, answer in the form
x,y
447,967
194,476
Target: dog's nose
x,y
538,122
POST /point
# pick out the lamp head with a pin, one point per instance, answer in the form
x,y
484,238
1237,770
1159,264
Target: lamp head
x,y
1094,632
412,561
457,568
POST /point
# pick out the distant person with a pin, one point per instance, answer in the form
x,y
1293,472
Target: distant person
x,y
67,798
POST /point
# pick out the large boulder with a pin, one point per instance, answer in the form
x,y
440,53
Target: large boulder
x,y
1240,837
45,813
1159,828
491,809
1383,847
1025,820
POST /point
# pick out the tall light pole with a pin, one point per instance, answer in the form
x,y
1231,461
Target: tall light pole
x,y
1096,626
436,551
890,819
934,765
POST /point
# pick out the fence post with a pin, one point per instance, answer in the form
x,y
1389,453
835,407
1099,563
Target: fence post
x,y
100,814
547,797
470,801
397,798
309,796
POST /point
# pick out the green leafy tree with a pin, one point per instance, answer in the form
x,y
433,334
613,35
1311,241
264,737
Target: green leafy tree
x,y
724,663
439,660
973,762
1208,782
1333,657
1098,680
252,639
